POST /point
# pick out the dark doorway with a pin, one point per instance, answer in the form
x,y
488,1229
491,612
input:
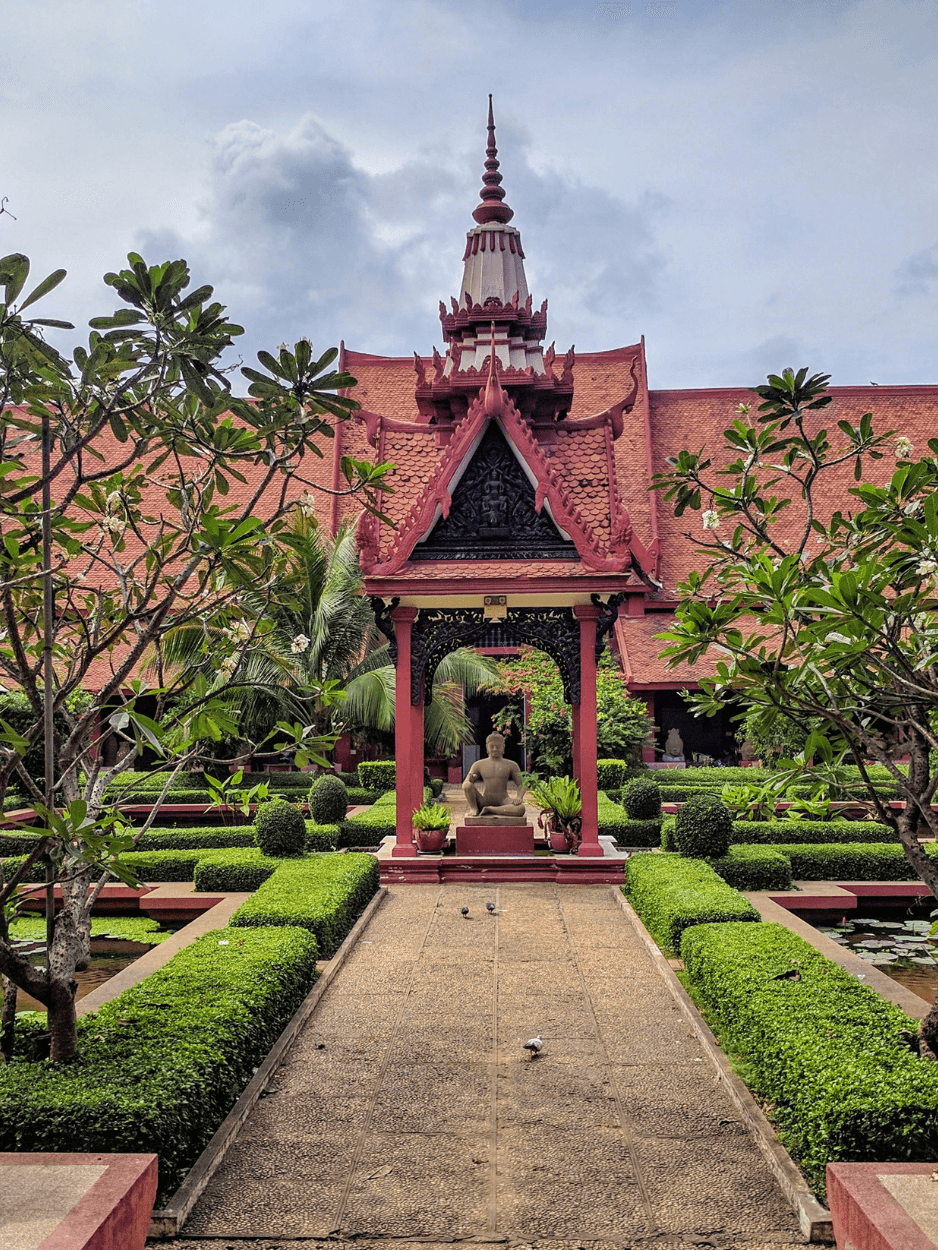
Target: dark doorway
x,y
480,709
713,736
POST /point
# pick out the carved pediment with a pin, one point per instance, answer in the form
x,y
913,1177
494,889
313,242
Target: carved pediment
x,y
493,514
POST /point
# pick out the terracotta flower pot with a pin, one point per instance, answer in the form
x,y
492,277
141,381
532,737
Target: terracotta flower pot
x,y
430,840
565,836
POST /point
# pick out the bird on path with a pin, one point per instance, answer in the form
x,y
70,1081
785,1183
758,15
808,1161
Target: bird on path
x,y
534,1045
489,907
464,912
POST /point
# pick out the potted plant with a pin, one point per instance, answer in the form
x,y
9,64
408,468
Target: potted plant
x,y
431,826
560,803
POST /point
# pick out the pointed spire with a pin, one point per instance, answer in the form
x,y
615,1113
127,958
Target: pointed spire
x,y
491,207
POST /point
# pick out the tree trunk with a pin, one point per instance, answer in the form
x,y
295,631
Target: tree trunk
x,y
8,1019
62,1022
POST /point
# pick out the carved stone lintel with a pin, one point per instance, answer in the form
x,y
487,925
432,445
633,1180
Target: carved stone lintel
x,y
438,631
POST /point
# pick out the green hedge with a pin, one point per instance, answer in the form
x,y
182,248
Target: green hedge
x,y
770,832
238,869
377,774
842,861
158,838
609,773
368,828
162,1065
754,868
671,893
358,795
823,1049
323,893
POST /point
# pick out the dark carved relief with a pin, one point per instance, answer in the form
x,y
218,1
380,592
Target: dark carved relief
x,y
385,622
438,631
608,614
492,514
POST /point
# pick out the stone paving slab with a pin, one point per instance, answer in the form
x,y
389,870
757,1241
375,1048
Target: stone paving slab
x,y
409,1112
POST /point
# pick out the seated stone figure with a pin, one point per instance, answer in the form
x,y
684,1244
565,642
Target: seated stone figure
x,y
486,786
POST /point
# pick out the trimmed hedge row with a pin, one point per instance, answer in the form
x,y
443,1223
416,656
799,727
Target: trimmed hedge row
x,y
368,828
614,823
824,1049
377,774
162,1065
754,868
239,869
670,893
322,893
770,832
866,861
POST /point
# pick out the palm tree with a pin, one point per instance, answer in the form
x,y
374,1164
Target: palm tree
x,y
320,638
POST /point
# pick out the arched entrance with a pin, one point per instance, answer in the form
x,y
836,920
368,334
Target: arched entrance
x,y
422,636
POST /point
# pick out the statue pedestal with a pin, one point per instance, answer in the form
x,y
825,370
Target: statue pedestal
x,y
494,839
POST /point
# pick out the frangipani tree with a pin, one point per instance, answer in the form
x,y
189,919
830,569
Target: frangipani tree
x,y
120,525
828,618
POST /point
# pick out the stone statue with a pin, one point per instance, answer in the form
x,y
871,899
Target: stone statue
x,y
486,787
673,747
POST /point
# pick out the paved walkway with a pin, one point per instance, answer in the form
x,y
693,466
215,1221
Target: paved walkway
x,y
409,1111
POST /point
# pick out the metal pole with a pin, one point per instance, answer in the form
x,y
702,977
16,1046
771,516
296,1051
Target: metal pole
x,y
48,692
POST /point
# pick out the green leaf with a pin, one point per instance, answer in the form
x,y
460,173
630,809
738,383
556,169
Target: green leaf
x,y
44,287
14,270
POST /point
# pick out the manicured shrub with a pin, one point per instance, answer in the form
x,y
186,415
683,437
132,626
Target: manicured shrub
x,y
238,869
754,868
641,799
321,837
667,834
826,1051
609,774
323,893
703,827
162,1065
670,893
358,796
369,828
377,774
200,838
639,832
280,828
774,831
172,865
328,800
842,861
436,786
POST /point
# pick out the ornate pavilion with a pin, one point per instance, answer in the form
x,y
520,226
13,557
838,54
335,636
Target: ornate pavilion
x,y
522,505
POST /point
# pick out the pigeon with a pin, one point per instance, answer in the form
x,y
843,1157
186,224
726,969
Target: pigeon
x,y
464,912
489,907
534,1045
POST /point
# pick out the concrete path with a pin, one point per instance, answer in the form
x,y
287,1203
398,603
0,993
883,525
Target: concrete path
x,y
409,1111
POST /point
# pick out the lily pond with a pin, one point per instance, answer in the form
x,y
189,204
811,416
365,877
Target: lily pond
x,y
900,946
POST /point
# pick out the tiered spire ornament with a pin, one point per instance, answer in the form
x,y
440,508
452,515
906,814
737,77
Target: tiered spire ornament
x,y
491,207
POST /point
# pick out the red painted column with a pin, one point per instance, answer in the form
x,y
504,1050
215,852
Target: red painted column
x,y
585,743
648,753
408,725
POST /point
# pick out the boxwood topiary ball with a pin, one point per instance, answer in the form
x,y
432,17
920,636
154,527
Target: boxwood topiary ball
x,y
641,799
703,827
279,828
328,800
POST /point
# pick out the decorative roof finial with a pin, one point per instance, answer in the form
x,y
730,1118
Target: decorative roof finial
x,y
491,207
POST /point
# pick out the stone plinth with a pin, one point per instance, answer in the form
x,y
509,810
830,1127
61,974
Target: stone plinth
x,y
494,839
76,1201
883,1206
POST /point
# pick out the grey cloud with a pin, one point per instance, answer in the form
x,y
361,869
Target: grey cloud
x,y
299,241
918,272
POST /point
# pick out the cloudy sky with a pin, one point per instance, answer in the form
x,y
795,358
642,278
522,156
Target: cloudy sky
x,y
749,184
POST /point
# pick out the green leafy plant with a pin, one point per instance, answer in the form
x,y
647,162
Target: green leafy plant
x,y
671,893
431,816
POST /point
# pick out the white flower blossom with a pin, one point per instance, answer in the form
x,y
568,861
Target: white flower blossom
x,y
925,568
299,644
114,501
307,504
744,409
710,519
240,631
904,448
112,525
913,508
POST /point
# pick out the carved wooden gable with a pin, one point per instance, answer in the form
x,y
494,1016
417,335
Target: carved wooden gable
x,y
492,515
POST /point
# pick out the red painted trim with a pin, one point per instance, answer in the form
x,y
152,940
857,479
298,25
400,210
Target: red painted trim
x,y
337,448
410,583
655,549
